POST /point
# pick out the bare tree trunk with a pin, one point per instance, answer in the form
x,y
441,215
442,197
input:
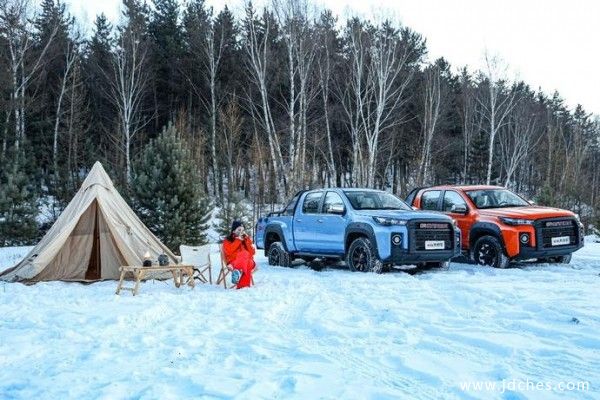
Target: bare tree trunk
x,y
431,112
15,22
516,141
70,59
324,77
127,90
497,106
258,55
213,53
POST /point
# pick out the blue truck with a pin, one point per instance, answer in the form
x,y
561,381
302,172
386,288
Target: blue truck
x,y
370,229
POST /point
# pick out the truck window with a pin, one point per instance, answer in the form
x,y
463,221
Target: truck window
x,y
452,199
374,200
332,199
289,209
311,203
429,200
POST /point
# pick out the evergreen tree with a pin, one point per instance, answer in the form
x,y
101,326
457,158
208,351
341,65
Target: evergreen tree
x,y
18,206
477,158
231,73
234,208
98,70
167,37
166,194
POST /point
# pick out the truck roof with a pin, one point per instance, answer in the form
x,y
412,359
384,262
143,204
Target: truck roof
x,y
465,187
345,189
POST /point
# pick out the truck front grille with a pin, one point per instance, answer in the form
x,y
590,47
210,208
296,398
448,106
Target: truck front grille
x,y
558,228
433,231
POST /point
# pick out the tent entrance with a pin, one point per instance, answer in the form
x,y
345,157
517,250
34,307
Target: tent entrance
x,y
93,270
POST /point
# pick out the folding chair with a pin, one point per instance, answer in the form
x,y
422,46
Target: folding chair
x,y
199,257
224,273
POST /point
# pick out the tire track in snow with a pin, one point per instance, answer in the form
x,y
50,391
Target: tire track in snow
x,y
295,309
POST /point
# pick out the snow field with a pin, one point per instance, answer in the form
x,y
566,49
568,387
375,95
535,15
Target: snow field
x,y
304,334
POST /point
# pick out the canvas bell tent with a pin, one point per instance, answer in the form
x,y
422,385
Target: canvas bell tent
x,y
96,234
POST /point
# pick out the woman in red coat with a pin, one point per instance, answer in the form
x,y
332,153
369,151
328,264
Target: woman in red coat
x,y
239,253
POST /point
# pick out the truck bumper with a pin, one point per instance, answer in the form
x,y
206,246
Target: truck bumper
x,y
543,234
413,258
403,250
527,253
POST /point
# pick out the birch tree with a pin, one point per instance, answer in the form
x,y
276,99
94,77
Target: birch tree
x,y
71,57
326,37
256,46
468,118
351,90
516,140
128,88
213,50
430,116
389,74
16,28
496,103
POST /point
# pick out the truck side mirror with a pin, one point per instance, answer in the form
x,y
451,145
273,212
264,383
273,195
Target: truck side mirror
x,y
336,209
459,209
414,208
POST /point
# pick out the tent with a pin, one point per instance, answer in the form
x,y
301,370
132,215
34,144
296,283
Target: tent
x,y
96,234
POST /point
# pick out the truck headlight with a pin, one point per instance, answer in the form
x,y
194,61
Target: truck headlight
x,y
516,221
389,221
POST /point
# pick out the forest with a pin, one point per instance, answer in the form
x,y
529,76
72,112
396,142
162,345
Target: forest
x,y
191,108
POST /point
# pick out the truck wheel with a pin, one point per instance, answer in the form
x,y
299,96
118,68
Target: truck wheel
x,y
362,257
278,256
488,251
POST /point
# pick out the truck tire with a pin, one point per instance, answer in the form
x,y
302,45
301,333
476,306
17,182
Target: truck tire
x,y
362,256
566,259
277,255
488,251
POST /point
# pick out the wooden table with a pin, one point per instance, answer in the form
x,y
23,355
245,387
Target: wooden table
x,y
139,272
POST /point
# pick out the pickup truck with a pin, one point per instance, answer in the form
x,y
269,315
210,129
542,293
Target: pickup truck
x,y
499,226
370,229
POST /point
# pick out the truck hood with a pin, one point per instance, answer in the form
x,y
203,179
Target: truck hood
x,y
407,215
529,212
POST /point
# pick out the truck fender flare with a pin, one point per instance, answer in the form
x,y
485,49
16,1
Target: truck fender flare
x,y
485,228
362,228
277,230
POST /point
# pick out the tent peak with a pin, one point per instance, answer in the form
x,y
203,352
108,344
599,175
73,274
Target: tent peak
x,y
97,176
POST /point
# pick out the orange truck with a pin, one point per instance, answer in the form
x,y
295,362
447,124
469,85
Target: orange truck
x,y
499,226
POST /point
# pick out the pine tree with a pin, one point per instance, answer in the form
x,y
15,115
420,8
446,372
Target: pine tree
x,y
167,37
478,158
234,208
166,192
98,70
18,206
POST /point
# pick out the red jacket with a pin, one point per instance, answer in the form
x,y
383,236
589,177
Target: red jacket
x,y
231,249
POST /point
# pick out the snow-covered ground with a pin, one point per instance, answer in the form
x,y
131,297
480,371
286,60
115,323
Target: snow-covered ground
x,y
304,334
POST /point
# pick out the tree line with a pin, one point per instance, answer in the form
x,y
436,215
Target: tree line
x,y
263,104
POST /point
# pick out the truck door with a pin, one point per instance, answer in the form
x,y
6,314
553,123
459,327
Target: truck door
x,y
333,225
456,207
308,222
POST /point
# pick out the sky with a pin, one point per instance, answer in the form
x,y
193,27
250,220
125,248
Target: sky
x,y
551,45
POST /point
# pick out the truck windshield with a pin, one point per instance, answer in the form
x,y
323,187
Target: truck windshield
x,y
496,198
372,200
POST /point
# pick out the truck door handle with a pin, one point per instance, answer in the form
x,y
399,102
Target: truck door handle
x,y
298,220
319,220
